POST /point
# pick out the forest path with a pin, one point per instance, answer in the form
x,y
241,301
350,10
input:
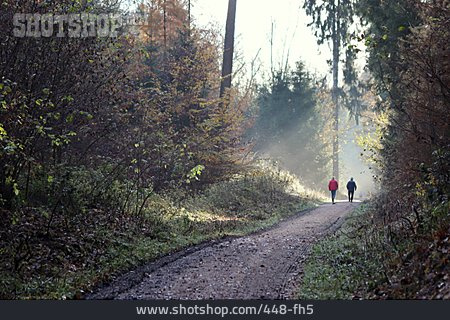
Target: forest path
x,y
265,265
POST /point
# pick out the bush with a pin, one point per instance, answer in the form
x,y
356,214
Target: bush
x,y
370,259
255,194
57,251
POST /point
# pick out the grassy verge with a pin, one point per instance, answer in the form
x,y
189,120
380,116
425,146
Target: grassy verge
x,y
83,250
342,265
367,260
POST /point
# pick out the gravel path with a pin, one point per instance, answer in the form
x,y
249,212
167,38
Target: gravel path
x,y
266,265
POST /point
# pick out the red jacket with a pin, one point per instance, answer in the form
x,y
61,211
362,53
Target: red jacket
x,y
333,185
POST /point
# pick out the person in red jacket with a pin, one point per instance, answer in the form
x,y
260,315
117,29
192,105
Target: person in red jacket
x,y
333,185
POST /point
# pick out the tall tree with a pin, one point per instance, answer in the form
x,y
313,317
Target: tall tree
x,y
189,13
166,18
387,24
165,23
331,21
289,126
227,67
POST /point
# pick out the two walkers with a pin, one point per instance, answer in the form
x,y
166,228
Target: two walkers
x,y
333,186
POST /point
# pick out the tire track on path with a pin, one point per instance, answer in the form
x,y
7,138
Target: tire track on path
x,y
265,265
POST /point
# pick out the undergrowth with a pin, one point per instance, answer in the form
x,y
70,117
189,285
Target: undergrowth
x,y
342,263
65,254
367,260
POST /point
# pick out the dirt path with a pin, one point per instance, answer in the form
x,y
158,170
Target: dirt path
x,y
265,265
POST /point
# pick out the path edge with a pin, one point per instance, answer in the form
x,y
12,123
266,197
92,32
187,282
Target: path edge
x,y
128,279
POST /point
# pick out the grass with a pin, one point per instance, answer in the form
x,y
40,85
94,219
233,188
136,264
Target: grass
x,y
369,259
92,247
342,265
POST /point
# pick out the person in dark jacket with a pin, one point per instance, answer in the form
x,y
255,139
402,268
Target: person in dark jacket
x,y
333,185
351,187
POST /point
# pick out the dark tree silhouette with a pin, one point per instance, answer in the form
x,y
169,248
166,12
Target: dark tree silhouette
x,y
227,67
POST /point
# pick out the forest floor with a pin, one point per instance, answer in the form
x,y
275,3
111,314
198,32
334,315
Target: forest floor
x,y
264,265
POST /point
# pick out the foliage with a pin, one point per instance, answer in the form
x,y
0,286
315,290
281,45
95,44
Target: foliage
x,y
147,109
181,106
93,131
371,141
363,261
417,139
86,248
406,230
327,15
48,116
334,23
386,23
255,194
289,125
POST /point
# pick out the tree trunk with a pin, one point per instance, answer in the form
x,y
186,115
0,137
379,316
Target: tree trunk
x,y
165,24
336,54
227,67
189,14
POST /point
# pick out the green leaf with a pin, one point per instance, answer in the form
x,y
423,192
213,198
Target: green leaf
x,y
16,189
401,28
87,114
57,142
68,98
385,37
194,173
45,213
50,179
69,118
2,131
7,90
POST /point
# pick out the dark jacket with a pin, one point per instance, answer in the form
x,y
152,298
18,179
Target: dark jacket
x,y
351,186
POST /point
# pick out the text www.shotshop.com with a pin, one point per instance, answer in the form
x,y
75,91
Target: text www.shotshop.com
x,y
223,311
